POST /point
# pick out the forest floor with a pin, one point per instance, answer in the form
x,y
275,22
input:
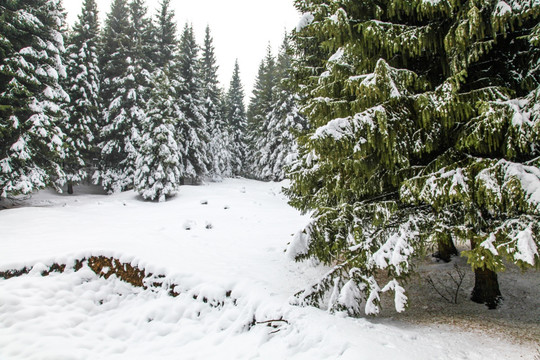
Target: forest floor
x,y
516,319
219,250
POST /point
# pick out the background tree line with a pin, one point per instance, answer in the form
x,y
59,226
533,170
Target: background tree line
x,y
129,104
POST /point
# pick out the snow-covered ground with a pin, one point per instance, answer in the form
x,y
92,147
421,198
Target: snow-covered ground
x,y
222,242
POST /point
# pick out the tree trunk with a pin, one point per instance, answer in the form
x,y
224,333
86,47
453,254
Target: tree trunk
x,y
70,188
445,250
486,288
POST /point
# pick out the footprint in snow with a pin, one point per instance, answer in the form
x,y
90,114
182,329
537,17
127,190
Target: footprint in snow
x,y
188,225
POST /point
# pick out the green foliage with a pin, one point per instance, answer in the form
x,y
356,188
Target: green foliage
x,y
235,116
158,167
126,70
166,43
261,101
273,145
32,98
211,94
192,131
83,84
425,112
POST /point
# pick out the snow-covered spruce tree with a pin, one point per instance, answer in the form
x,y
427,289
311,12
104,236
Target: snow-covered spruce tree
x,y
115,126
424,128
165,41
213,111
276,145
158,164
126,73
260,105
192,133
31,97
235,115
83,86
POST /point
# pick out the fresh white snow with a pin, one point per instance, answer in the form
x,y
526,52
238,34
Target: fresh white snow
x,y
78,315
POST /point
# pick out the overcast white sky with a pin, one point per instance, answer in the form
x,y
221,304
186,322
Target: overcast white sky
x,y
241,28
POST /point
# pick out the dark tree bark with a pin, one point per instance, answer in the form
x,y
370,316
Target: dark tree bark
x,y
70,188
486,288
445,250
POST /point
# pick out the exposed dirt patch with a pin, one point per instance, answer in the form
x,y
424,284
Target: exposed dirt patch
x,y
14,273
102,266
106,267
517,318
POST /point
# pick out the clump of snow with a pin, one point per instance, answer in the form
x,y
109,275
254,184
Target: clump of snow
x,y
400,299
489,244
526,247
346,127
299,245
502,9
304,21
337,56
351,296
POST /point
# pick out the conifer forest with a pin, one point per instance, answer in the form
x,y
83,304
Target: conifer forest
x,y
401,128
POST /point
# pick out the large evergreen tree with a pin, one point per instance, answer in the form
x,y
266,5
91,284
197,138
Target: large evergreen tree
x,y
275,146
213,111
425,129
115,136
83,87
260,104
235,115
192,132
31,97
158,164
126,72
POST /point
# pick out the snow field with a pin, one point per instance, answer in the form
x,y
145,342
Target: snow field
x,y
238,266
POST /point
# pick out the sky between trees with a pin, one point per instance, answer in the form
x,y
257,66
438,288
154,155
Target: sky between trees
x,y
241,28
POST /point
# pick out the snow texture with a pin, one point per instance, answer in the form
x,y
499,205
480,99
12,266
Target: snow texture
x,y
304,21
234,282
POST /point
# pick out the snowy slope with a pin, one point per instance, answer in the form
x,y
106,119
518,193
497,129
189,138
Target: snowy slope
x,y
210,240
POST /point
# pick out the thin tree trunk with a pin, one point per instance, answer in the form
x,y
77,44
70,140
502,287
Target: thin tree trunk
x,y
70,188
486,288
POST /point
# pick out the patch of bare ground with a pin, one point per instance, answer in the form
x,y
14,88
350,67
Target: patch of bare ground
x,y
517,319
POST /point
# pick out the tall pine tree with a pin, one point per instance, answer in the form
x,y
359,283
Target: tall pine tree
x,y
126,79
31,97
261,103
213,111
235,115
115,136
83,87
192,133
158,164
276,147
423,129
